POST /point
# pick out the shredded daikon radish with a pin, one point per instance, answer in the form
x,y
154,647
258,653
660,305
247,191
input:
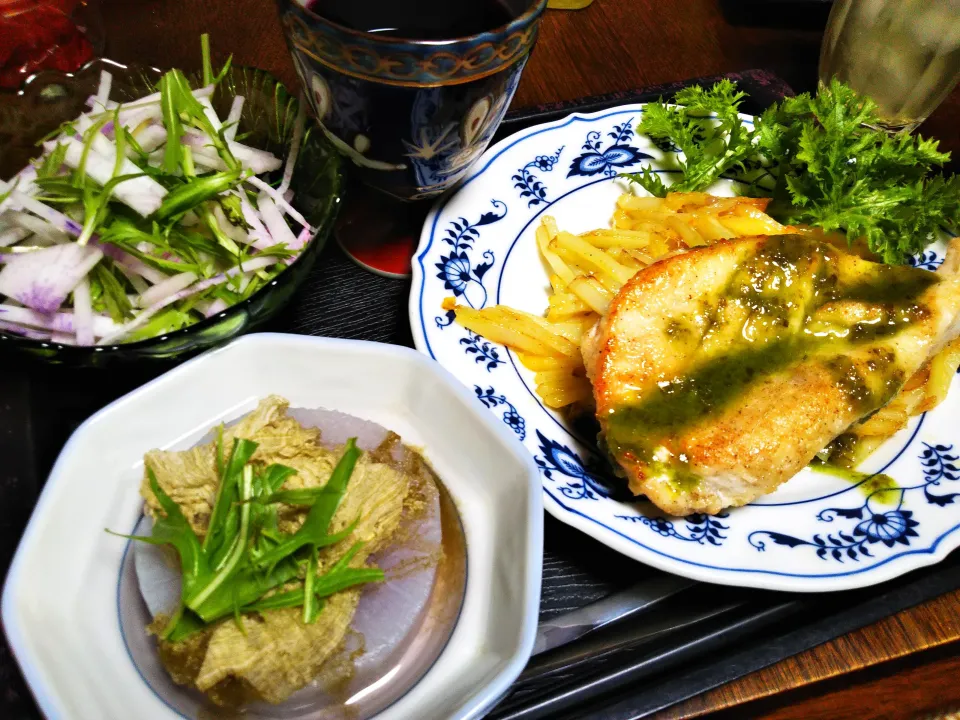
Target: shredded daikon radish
x,y
59,322
103,91
298,130
149,312
83,313
49,233
278,199
279,230
233,118
211,113
142,194
165,289
147,100
12,235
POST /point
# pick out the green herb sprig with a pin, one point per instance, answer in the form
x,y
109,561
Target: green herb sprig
x,y
837,171
833,168
243,558
706,127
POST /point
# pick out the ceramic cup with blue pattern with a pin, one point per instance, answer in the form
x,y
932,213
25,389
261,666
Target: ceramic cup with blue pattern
x,y
412,114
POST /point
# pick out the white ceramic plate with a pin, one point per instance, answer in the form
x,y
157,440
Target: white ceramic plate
x,y
61,600
815,533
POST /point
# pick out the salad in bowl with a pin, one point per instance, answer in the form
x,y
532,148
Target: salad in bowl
x,y
170,213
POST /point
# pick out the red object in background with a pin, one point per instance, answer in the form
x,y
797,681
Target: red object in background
x,y
40,35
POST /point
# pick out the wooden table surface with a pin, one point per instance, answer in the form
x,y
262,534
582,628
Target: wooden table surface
x,y
902,667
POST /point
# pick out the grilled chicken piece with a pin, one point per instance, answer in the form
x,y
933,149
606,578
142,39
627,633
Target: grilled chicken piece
x,y
720,373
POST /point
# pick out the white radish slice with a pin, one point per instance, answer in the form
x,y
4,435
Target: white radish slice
x,y
103,91
232,231
30,333
260,235
158,572
63,339
147,313
43,279
62,322
233,118
83,312
260,161
139,284
389,613
150,138
138,266
273,219
39,227
12,235
153,99
23,183
298,130
102,145
52,216
209,308
163,290
278,199
142,194
210,113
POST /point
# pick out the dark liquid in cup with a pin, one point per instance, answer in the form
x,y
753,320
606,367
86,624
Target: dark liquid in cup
x,y
420,19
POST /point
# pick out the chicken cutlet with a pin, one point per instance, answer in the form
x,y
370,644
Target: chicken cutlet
x,y
720,373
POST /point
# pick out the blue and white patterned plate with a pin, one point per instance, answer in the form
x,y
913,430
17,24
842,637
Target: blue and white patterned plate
x,y
815,533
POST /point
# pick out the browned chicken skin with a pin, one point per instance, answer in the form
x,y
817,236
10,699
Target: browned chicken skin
x,y
720,373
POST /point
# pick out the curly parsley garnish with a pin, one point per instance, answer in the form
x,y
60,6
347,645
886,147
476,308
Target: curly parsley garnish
x,y
833,168
706,127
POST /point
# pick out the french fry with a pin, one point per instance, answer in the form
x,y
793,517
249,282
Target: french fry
x,y
711,229
658,216
550,223
753,207
641,257
884,422
536,328
592,293
720,205
750,204
686,233
591,256
631,202
687,201
542,363
568,303
608,283
554,315
742,226
553,377
570,329
565,393
943,368
568,258
918,379
559,267
620,238
625,258
493,330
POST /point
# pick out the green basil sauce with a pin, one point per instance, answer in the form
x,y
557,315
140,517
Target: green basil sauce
x,y
781,285
879,487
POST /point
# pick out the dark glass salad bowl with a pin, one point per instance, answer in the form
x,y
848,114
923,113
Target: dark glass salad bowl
x,y
49,99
